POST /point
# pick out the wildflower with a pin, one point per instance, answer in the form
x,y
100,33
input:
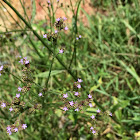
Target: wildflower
x,y
91,128
24,126
40,94
25,58
98,111
65,95
18,95
93,131
45,36
66,28
27,61
11,109
48,2
92,117
77,109
110,114
56,31
16,129
60,51
80,80
76,94
21,61
9,132
1,67
71,103
79,36
57,0
8,128
19,88
58,19
78,86
64,18
65,108
89,96
3,105
90,104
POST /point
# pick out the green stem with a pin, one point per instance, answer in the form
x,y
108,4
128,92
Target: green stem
x,y
50,71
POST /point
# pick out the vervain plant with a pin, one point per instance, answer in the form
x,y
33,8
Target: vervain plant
x,y
72,101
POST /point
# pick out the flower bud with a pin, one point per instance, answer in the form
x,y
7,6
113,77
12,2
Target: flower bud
x,y
16,101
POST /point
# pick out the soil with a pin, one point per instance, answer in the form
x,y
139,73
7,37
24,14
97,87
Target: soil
x,y
6,21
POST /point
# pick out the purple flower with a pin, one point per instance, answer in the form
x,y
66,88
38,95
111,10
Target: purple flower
x,y
57,0
78,86
25,58
45,36
93,131
19,88
76,94
24,126
3,105
18,95
79,36
92,117
91,128
48,2
60,51
66,28
65,95
71,103
21,61
8,128
58,19
110,114
98,111
27,61
16,129
9,132
77,109
90,104
80,80
40,94
56,31
1,67
64,18
89,96
65,108
11,109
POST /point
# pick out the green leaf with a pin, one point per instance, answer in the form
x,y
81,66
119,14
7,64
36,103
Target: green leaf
x,y
33,10
95,87
131,71
45,74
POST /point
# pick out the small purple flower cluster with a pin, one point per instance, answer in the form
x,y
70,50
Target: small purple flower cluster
x,y
77,38
14,128
18,106
24,61
92,129
77,106
59,24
